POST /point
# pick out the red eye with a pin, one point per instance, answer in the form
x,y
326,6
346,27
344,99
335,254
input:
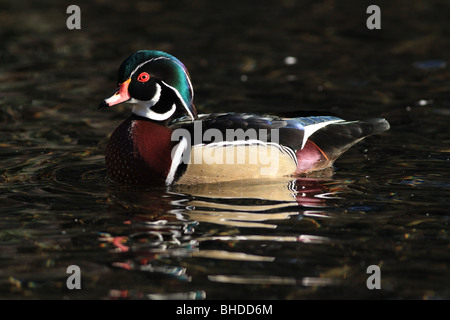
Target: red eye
x,y
143,77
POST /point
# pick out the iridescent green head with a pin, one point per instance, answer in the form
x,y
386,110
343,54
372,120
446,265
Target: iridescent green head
x,y
157,83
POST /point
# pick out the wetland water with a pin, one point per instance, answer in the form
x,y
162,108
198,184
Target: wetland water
x,y
385,203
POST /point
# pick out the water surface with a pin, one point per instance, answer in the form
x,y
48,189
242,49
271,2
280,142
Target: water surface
x,y
384,203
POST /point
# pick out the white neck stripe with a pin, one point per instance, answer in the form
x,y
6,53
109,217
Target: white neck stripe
x,y
147,112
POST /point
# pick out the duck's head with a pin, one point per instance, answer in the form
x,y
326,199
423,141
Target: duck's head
x,y
158,85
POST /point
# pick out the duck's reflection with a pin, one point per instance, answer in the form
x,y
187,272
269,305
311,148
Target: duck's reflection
x,y
161,218
162,224
251,204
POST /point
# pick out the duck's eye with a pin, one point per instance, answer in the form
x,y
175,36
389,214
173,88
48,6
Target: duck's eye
x,y
143,77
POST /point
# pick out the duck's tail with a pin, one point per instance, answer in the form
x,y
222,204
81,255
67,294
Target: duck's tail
x,y
325,145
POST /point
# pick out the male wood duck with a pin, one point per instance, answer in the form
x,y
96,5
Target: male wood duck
x,y
165,141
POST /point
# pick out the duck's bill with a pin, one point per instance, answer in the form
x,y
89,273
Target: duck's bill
x,y
120,96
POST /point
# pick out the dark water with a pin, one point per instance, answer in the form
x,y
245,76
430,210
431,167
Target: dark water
x,y
385,203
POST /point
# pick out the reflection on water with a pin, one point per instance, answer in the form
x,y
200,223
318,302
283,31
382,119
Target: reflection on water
x,y
217,222
247,204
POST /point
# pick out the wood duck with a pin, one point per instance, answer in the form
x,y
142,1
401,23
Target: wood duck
x,y
165,141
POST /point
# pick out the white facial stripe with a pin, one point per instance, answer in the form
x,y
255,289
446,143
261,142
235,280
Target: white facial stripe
x,y
174,90
182,68
155,98
145,62
150,103
143,108
181,99
177,155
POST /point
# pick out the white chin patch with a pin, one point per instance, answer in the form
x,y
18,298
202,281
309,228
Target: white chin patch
x,y
146,112
144,108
